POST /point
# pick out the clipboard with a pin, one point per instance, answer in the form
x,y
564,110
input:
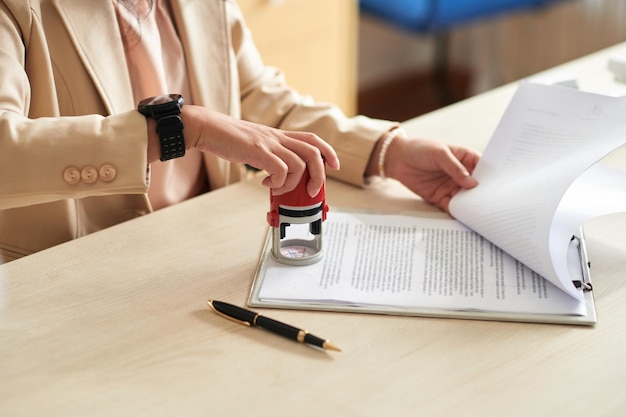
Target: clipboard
x,y
583,283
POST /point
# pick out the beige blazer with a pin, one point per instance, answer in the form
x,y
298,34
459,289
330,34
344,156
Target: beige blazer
x,y
72,145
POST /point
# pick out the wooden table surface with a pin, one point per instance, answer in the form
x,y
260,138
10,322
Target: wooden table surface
x,y
116,323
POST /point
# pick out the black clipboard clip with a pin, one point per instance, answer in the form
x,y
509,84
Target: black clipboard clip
x,y
585,264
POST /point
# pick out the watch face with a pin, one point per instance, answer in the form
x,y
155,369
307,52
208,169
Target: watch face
x,y
162,99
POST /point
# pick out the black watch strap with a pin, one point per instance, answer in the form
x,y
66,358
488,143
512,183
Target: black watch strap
x,y
170,130
165,110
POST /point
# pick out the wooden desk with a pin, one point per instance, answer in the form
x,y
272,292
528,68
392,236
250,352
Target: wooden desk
x,y
116,324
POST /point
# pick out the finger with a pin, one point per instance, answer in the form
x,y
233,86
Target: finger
x,y
317,172
444,204
327,151
293,174
443,194
459,173
318,176
287,185
314,164
275,166
276,177
291,181
468,157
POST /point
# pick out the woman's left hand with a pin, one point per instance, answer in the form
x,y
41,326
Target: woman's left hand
x,y
433,170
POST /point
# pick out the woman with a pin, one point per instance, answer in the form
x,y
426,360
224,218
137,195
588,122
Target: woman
x,y
77,156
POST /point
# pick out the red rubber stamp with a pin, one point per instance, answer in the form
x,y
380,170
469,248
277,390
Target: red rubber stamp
x,y
296,220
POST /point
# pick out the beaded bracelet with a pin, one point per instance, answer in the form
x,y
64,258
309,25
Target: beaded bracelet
x,y
383,150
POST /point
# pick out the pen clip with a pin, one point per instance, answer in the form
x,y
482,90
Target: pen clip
x,y
245,323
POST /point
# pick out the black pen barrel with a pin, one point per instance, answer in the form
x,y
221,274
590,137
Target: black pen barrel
x,y
288,331
277,327
234,311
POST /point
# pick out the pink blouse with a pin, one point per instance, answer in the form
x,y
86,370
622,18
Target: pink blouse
x,y
156,64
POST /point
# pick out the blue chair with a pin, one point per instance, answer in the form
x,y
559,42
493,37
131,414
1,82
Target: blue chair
x,y
437,17
428,16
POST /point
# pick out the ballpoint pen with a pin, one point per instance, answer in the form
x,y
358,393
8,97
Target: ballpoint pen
x,y
251,318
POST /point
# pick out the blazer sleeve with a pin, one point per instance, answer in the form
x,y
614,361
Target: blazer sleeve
x,y
45,157
267,99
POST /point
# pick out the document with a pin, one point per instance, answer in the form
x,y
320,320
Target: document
x,y
538,171
515,250
409,261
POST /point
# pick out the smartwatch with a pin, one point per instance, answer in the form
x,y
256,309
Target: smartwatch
x,y
165,109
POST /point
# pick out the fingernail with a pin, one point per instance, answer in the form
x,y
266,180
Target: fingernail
x,y
469,182
314,192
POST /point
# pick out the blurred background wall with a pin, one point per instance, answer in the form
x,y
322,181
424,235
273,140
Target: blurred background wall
x,y
394,66
331,50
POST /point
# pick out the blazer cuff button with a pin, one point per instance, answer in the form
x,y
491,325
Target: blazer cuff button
x,y
71,175
107,173
89,175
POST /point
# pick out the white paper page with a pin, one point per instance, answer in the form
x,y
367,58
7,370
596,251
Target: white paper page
x,y
413,262
598,191
548,136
